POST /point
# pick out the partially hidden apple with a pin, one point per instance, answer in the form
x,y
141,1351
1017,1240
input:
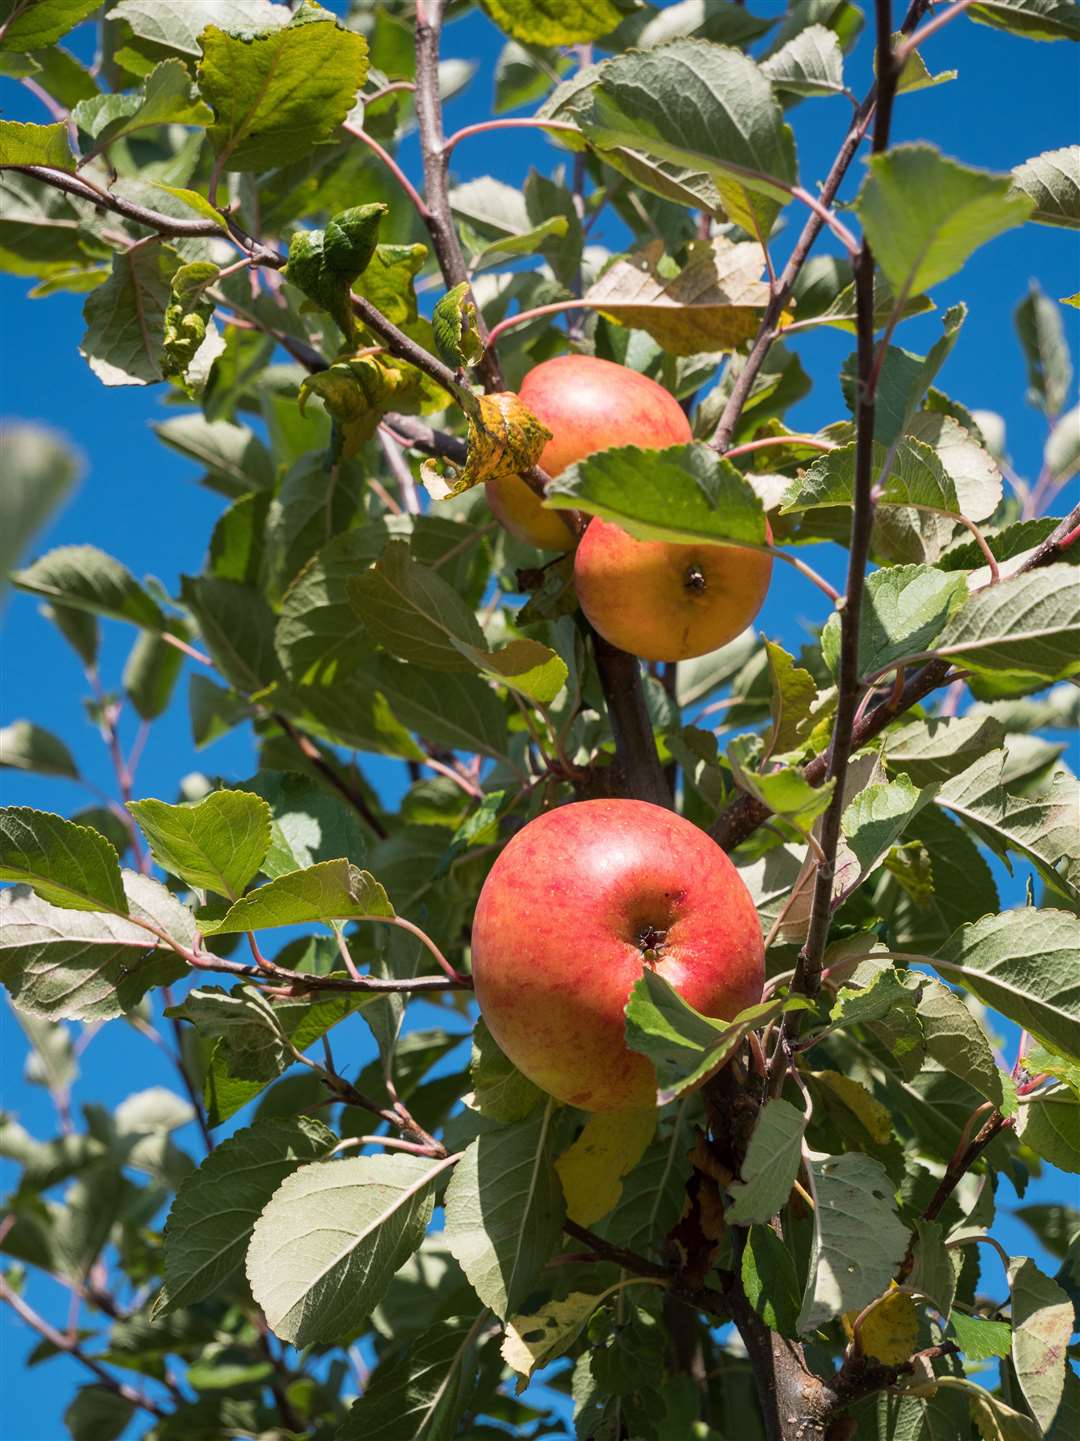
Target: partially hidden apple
x,y
588,405
665,601
578,904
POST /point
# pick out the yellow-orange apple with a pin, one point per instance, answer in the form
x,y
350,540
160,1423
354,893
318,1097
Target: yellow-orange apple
x,y
588,405
580,901
664,601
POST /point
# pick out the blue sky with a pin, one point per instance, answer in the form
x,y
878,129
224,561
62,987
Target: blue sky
x,y
140,502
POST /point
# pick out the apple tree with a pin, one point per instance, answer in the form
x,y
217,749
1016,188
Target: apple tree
x,y
785,1242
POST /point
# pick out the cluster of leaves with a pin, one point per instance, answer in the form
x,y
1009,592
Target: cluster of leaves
x,y
340,613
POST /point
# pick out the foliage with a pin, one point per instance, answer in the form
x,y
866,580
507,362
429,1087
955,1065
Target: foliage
x,y
817,1169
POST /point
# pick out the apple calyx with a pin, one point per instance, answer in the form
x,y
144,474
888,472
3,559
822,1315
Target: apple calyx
x,y
695,580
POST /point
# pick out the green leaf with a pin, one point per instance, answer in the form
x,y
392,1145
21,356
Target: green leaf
x,y
500,1091
330,891
413,612
1046,350
1024,964
958,1042
28,747
872,822
940,747
504,1210
1042,1323
1034,19
454,326
235,458
684,1046
653,1193
811,63
98,1413
151,672
906,609
1052,182
214,711
554,22
1022,633
35,145
979,1339
308,824
86,578
770,1280
905,379
319,634
1040,827
68,865
458,711
178,27
168,97
713,305
770,1166
276,95
326,1246
216,1207
325,263
418,616
217,845
39,470
125,317
683,493
784,790
924,215
84,965
31,27
418,1391
728,124
858,1240
793,693
237,624
1062,452
935,1267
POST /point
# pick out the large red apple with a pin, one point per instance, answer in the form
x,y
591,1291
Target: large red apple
x,y
664,601
588,405
580,901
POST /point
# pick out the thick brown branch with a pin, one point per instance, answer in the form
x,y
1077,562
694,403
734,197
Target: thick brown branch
x,y
640,774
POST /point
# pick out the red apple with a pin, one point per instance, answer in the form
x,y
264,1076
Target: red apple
x,y
580,901
588,405
664,601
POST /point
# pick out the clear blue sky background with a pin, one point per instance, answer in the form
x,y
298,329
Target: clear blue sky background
x,y
140,502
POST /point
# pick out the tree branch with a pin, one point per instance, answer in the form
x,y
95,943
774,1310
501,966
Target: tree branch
x,y
438,219
641,776
353,794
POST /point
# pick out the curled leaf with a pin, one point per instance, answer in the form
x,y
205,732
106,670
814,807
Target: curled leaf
x,y
186,315
890,1332
454,323
325,263
357,393
504,438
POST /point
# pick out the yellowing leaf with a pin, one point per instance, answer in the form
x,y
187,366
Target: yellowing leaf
x,y
357,393
533,1341
858,1099
504,438
714,304
591,1171
890,1332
